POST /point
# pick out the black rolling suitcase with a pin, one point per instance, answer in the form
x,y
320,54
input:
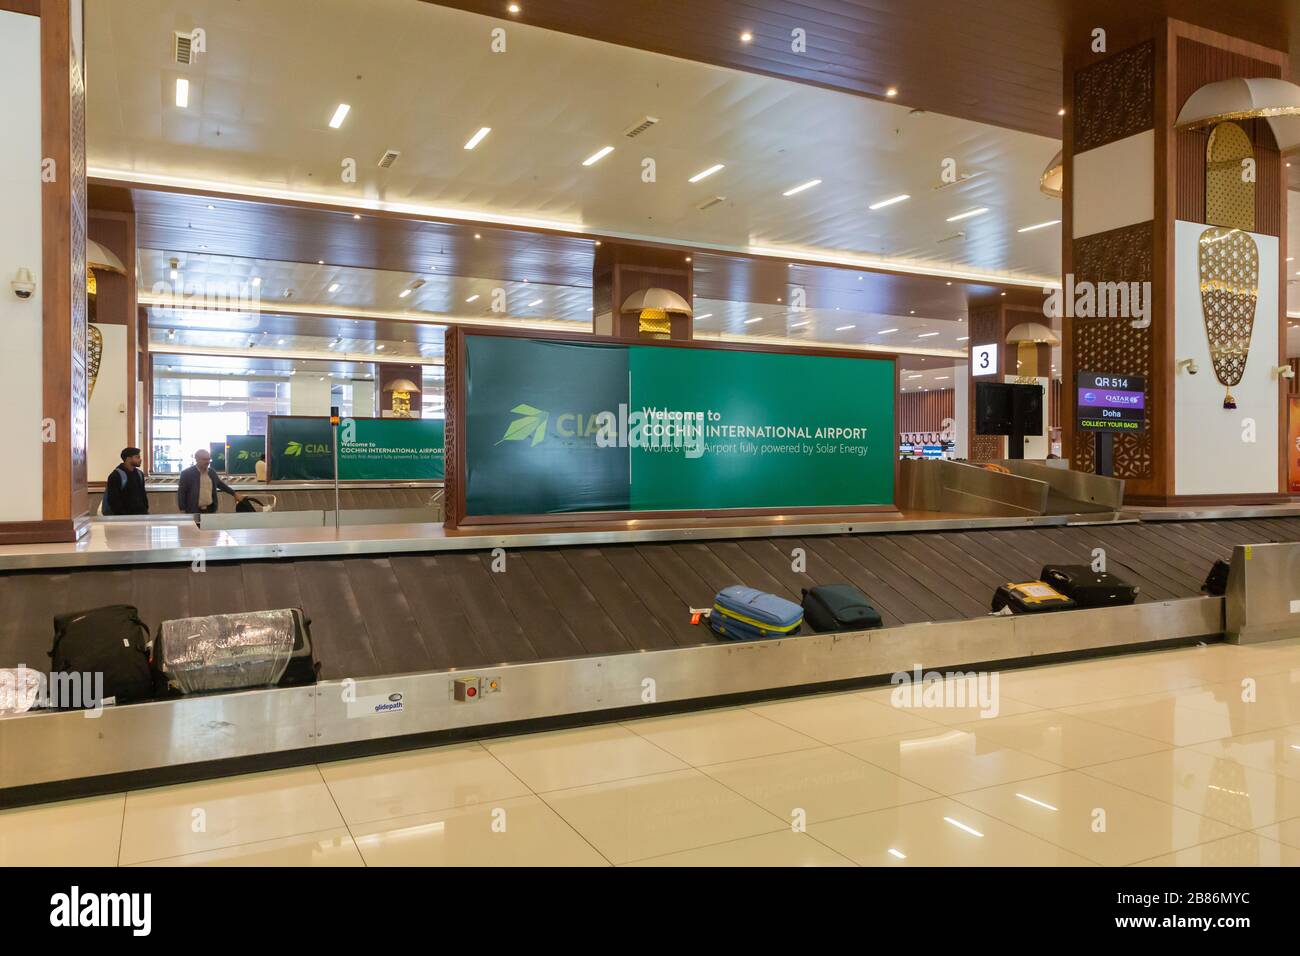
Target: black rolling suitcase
x,y
1030,597
1089,588
110,644
838,607
1216,582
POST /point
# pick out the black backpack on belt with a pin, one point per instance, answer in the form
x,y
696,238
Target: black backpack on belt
x,y
111,641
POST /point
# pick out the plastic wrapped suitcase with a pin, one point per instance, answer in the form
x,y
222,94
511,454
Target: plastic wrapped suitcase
x,y
233,651
838,607
741,613
1089,588
1030,597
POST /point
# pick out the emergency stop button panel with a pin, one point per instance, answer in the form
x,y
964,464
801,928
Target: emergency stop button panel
x,y
467,689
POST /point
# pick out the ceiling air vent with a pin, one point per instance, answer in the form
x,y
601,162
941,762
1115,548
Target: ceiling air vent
x,y
640,126
708,203
389,157
955,235
183,48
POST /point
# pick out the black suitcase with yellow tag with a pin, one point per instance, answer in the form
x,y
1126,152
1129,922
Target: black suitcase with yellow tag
x,y
1030,597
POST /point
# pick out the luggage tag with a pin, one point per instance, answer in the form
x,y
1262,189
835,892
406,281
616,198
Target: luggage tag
x,y
699,613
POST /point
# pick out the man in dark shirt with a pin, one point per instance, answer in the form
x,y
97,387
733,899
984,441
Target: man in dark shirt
x,y
196,492
124,492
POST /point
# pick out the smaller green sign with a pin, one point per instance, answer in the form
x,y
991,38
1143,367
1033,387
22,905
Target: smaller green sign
x,y
218,450
242,452
370,449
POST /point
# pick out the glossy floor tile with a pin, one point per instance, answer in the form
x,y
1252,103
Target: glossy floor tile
x,y
1277,751
836,718
633,819
393,785
327,848
1242,797
713,736
212,814
783,848
522,831
949,759
815,785
1063,739
585,755
1094,818
1171,718
937,833
1288,832
945,705
1244,849
85,832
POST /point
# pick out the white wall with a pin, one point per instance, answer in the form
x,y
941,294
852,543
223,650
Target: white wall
x,y
1210,457
20,246
107,434
363,397
1114,185
308,395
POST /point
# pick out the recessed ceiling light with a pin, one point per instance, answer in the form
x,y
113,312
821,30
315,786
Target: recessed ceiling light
x,y
472,298
1004,293
513,8
1039,225
970,212
279,341
598,155
903,197
535,302
1061,111
708,172
379,347
757,318
706,315
910,377
844,328
210,206
183,93
911,312
746,37
597,242
257,280
688,258
941,378
886,331
964,338
477,236
926,335
356,215
892,91
340,114
799,325
478,137
404,293
800,188
947,283
334,287
320,262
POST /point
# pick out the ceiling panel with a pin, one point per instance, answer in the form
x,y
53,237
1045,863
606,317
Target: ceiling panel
x,y
422,78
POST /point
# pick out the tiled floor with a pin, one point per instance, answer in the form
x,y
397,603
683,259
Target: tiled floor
x,y
1175,758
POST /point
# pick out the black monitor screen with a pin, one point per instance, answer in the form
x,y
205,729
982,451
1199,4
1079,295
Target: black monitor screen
x,y
1006,409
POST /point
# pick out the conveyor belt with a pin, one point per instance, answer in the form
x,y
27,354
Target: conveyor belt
x,y
301,499
404,613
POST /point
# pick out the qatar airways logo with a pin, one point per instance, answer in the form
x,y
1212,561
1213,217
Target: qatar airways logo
x,y
1112,398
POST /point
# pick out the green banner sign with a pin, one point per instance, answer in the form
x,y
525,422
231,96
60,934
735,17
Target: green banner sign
x,y
562,426
242,452
370,449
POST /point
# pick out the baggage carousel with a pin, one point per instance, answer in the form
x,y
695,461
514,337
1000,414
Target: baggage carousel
x,y
567,624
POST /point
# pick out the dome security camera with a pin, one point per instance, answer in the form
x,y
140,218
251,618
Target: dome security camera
x,y
24,285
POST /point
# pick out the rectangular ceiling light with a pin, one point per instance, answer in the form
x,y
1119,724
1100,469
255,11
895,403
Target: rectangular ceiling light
x,y
757,318
598,155
404,293
183,93
889,202
926,335
886,331
964,338
708,172
472,298
340,114
799,325
478,137
534,303
800,188
913,376
706,315
970,212
1040,225
844,328
334,287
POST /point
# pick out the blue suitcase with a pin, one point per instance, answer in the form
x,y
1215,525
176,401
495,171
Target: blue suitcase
x,y
741,613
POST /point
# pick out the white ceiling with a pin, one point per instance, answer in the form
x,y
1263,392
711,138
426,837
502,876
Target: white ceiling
x,y
422,78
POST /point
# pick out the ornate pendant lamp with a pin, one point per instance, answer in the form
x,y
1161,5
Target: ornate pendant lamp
x,y
654,309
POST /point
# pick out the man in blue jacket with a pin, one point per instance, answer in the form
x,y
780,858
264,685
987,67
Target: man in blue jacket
x,y
199,484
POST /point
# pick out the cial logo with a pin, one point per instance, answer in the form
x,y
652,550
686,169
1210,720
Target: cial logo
x,y
530,424
296,449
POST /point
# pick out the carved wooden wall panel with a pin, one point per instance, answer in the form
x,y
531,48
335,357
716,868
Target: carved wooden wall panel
x,y
1115,98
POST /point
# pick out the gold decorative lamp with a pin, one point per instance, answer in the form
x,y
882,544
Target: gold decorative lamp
x,y
97,258
1033,342
1052,181
654,309
400,390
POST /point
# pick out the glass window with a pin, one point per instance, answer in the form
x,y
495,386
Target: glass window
x,y
196,411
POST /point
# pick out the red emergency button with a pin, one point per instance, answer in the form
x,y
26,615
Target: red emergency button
x,y
471,692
